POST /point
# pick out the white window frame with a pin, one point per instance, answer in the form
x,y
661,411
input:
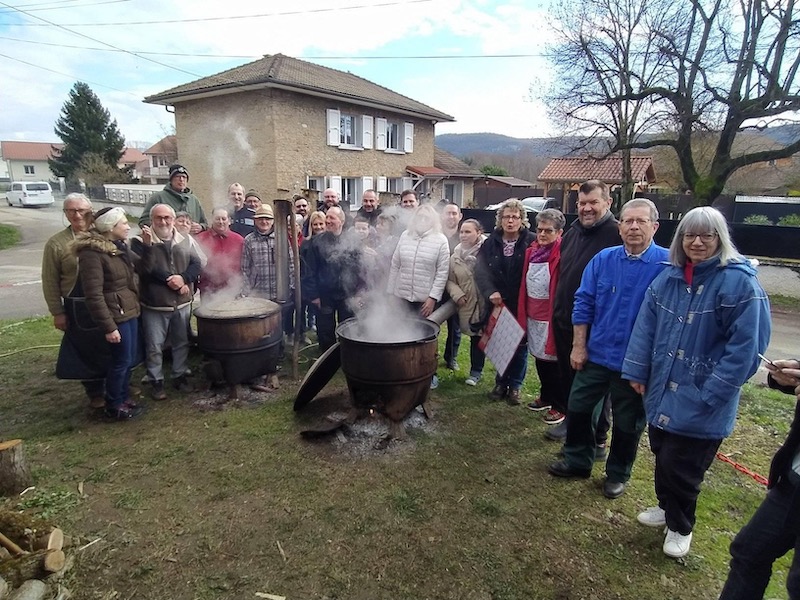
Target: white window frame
x,y
29,169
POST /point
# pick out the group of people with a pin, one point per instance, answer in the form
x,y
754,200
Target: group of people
x,y
625,334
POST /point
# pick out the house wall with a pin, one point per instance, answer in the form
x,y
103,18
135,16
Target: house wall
x,y
41,170
225,139
273,140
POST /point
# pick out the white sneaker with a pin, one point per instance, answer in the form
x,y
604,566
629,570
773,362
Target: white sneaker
x,y
677,545
435,382
652,517
473,381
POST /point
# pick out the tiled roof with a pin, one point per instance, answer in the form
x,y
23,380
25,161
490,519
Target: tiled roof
x,y
609,169
278,70
27,150
510,181
166,145
131,156
454,166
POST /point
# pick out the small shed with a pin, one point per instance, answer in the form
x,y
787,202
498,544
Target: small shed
x,y
569,173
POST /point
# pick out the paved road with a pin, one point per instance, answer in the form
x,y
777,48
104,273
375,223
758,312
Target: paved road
x,y
21,266
21,294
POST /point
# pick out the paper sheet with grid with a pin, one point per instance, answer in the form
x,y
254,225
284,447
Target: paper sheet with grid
x,y
501,339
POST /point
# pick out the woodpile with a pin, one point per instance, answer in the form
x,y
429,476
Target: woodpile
x,y
31,549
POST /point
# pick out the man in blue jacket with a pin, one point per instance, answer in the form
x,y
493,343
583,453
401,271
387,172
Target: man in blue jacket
x,y
606,304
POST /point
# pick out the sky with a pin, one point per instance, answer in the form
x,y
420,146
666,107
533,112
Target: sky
x,y
488,54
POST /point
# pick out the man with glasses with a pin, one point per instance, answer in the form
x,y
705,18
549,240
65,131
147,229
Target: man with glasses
x,y
606,305
242,221
168,271
60,272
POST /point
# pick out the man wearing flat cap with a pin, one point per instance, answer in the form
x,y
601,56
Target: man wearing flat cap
x,y
259,265
242,220
177,195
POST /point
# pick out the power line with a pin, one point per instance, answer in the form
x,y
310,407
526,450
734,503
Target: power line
x,y
251,56
67,75
49,5
230,17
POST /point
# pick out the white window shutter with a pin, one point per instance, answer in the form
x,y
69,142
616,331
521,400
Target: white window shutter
x,y
408,139
366,184
381,187
366,132
335,183
334,119
380,134
408,183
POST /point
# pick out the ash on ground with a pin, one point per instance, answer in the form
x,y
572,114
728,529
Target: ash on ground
x,y
220,398
368,436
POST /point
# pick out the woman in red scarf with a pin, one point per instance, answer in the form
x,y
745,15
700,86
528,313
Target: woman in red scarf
x,y
539,277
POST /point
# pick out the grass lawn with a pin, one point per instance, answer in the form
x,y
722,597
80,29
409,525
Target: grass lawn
x,y
9,236
193,504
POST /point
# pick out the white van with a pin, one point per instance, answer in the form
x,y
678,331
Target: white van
x,y
30,193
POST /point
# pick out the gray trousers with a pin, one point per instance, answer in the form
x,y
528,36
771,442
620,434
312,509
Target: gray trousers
x,y
157,325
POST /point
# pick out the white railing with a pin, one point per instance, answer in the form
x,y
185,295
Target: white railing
x,y
130,194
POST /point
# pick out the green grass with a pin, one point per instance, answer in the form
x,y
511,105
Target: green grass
x,y
785,303
9,236
193,504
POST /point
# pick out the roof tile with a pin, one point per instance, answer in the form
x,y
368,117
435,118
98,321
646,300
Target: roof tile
x,y
583,168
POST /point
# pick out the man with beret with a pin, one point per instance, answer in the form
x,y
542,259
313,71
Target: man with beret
x,y
178,195
242,221
259,265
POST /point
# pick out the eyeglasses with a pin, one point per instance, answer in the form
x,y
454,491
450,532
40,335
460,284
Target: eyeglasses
x,y
704,237
639,222
77,211
511,218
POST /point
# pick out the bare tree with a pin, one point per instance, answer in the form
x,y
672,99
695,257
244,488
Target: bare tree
x,y
698,67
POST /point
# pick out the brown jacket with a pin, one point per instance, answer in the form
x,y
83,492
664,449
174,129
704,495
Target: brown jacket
x,y
108,279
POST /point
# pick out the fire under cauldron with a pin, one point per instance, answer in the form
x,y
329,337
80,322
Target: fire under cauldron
x,y
391,375
241,338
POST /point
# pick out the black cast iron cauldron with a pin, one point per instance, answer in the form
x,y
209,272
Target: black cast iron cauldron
x,y
243,335
392,374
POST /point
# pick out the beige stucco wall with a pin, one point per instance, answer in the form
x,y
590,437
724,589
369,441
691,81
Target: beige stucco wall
x,y
272,140
16,170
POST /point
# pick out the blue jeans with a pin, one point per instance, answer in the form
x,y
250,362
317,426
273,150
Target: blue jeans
x,y
517,368
763,540
123,356
453,340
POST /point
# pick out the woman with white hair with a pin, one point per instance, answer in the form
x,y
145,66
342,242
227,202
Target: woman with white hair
x,y
106,272
696,341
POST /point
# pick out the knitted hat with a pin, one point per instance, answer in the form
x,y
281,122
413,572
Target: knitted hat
x,y
178,170
264,212
252,193
106,218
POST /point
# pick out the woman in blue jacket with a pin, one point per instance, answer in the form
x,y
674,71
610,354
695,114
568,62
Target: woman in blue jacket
x,y
695,342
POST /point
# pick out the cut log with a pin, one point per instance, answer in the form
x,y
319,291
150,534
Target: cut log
x,y
54,561
50,541
24,529
21,568
15,475
33,589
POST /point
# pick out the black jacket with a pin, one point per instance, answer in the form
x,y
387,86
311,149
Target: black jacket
x,y
782,461
577,248
158,262
331,267
496,273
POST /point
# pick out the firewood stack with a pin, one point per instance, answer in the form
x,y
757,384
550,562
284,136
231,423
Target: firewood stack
x,y
31,549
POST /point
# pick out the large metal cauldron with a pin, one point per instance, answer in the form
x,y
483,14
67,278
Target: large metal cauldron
x,y
391,375
243,335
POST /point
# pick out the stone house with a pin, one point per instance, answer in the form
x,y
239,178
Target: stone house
x,y
283,125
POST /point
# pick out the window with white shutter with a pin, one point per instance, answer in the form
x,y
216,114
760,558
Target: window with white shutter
x,y
366,132
380,134
408,141
381,187
334,118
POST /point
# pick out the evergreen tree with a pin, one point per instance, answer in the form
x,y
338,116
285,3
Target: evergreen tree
x,y
85,127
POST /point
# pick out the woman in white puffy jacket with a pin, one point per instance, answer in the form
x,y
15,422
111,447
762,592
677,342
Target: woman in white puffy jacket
x,y
420,262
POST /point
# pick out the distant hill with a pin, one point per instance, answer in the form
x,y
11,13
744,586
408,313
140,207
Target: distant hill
x,y
469,144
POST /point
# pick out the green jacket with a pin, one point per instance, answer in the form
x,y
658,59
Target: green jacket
x,y
179,201
59,270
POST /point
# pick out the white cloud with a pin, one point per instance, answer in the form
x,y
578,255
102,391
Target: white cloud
x,y
482,94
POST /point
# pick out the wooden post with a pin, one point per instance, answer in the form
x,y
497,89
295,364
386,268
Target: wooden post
x,y
15,475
